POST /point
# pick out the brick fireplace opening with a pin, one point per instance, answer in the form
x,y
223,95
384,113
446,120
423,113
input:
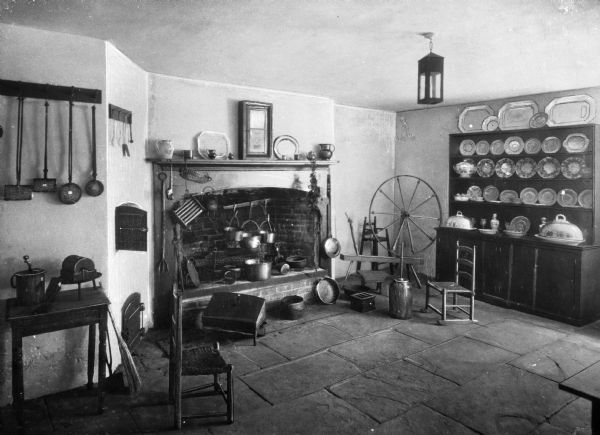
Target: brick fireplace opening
x,y
274,196
286,212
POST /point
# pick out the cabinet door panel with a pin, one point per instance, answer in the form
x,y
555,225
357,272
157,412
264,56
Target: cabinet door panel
x,y
556,290
445,257
494,269
522,285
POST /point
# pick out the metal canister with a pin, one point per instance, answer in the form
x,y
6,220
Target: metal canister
x,y
400,299
30,285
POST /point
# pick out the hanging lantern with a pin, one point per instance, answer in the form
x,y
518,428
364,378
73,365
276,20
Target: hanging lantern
x,y
431,76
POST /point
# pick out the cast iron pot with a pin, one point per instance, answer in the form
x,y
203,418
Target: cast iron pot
x,y
256,270
296,261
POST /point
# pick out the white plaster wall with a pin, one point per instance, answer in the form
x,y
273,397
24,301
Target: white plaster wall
x,y
43,228
181,109
423,143
364,141
129,180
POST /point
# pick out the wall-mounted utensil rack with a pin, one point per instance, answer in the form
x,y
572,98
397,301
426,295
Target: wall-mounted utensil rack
x,y
49,92
118,114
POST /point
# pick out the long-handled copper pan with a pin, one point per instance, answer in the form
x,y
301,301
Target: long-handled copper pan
x,y
94,187
70,193
45,184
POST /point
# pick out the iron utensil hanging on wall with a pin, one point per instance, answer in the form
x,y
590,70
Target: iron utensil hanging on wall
x,y
169,193
162,265
94,187
16,192
70,193
331,245
45,184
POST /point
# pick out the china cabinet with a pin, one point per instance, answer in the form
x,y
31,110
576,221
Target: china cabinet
x,y
527,175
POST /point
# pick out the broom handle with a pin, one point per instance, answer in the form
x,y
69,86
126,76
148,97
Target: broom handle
x,y
70,141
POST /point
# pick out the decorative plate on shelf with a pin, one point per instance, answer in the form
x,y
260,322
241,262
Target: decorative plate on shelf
x,y
516,114
213,140
576,143
573,167
533,146
491,193
547,196
466,147
567,198
538,120
509,196
471,118
474,192
505,168
520,223
485,168
571,110
526,167
482,147
285,146
551,145
548,167
491,123
514,145
497,147
585,198
529,195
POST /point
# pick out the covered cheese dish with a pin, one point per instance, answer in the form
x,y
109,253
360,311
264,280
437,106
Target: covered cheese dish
x,y
459,221
560,230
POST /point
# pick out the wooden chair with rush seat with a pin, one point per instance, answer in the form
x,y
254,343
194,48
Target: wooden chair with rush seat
x,y
463,286
200,359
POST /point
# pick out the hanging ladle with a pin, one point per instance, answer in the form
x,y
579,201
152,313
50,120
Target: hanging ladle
x,y
70,193
94,187
169,193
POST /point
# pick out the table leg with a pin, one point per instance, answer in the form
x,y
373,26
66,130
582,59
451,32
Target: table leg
x,y
595,417
102,331
91,355
17,374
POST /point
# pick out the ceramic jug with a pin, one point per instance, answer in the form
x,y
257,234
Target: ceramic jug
x,y
165,148
326,150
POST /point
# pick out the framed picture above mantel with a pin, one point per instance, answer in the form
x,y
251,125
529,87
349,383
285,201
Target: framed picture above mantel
x,y
256,126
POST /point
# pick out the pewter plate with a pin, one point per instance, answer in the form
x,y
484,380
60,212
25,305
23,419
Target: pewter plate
x,y
516,115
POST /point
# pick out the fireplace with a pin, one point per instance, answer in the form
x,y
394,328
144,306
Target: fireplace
x,y
287,198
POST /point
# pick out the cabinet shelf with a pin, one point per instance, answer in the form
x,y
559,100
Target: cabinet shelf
x,y
487,204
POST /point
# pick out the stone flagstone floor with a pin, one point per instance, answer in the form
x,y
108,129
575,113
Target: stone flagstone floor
x,y
338,371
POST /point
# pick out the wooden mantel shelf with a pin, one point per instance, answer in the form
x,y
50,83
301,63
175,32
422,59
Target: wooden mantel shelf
x,y
248,165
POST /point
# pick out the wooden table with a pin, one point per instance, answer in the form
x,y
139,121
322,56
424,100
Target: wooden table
x,y
67,311
586,384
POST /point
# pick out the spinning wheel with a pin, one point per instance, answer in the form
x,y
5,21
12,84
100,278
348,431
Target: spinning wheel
x,y
407,211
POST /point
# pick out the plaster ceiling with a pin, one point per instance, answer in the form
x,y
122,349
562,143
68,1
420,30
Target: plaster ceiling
x,y
357,52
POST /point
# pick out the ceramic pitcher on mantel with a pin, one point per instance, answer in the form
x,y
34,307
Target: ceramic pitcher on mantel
x,y
326,150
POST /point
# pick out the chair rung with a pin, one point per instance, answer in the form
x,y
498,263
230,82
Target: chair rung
x,y
457,306
207,415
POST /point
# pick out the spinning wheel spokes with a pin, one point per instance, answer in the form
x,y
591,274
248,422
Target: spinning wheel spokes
x,y
404,210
